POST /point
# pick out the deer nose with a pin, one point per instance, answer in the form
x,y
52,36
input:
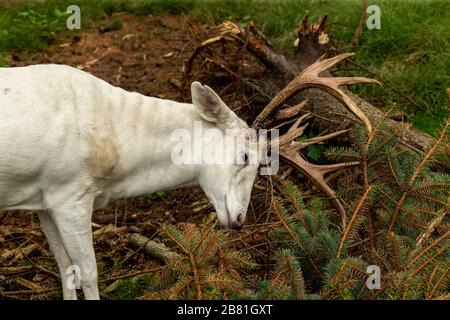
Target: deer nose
x,y
239,222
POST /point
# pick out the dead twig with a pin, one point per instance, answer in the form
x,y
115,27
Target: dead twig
x,y
34,291
152,248
359,28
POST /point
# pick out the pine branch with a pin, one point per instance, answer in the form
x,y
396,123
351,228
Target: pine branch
x,y
438,283
416,173
294,236
169,232
428,260
355,214
427,249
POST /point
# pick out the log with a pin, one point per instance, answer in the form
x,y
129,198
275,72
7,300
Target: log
x,y
312,42
152,248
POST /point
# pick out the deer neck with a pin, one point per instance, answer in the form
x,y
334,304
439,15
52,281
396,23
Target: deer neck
x,y
144,127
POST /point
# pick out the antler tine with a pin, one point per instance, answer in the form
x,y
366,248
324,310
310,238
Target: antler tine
x,y
289,150
290,112
310,78
297,122
323,63
331,85
340,81
287,138
316,173
293,132
298,145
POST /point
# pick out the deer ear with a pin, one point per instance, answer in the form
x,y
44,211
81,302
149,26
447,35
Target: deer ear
x,y
209,105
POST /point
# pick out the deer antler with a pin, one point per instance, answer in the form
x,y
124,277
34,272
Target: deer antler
x,y
289,148
309,78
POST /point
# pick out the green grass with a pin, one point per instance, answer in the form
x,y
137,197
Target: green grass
x,y
411,51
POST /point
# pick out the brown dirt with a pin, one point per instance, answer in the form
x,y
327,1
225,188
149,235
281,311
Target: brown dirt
x,y
145,55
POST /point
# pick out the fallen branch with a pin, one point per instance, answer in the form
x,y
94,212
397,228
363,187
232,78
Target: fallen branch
x,y
107,230
27,283
152,248
7,293
359,28
14,270
25,252
49,272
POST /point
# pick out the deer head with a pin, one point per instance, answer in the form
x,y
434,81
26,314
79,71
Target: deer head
x,y
232,195
230,157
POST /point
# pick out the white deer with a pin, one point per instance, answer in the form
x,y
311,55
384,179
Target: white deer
x,y
70,142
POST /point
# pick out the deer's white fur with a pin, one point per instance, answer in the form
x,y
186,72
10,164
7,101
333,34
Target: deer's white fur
x,y
69,142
